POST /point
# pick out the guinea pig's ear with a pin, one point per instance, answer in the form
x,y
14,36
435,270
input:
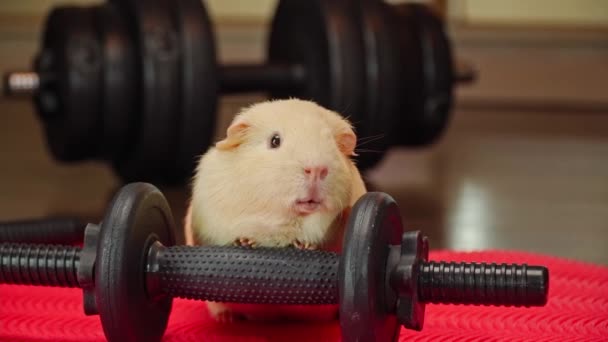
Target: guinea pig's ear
x,y
345,136
235,135
346,140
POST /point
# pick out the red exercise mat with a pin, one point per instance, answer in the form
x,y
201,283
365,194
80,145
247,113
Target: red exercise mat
x,y
577,311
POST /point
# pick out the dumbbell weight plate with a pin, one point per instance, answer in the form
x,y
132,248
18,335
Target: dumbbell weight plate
x,y
198,102
425,52
151,148
365,311
323,37
137,217
383,82
68,98
120,82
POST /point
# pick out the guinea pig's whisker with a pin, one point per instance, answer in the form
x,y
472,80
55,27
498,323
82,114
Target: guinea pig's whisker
x,y
347,118
367,151
356,123
367,140
379,135
347,107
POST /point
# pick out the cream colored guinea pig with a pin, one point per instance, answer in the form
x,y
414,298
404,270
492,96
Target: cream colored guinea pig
x,y
281,177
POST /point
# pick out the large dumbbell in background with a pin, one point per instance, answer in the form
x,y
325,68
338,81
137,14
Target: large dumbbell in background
x,y
129,271
136,82
130,82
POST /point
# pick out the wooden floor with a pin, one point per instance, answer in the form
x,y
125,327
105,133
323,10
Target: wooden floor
x,y
528,181
510,180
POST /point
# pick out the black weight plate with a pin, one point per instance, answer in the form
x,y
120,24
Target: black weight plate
x,y
68,100
156,38
137,217
119,82
426,53
373,226
383,82
199,86
323,37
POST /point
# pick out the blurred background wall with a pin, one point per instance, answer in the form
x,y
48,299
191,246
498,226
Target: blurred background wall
x,y
557,48
514,12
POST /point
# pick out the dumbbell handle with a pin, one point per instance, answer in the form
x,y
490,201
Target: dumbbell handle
x,y
20,83
291,276
237,78
241,78
43,231
244,275
275,275
35,264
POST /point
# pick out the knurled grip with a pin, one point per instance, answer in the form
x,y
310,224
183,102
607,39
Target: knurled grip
x,y
245,275
483,284
31,264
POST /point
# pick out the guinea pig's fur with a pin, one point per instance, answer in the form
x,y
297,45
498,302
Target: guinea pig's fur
x,y
246,190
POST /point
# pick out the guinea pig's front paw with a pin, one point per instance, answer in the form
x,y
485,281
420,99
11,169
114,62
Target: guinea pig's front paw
x,y
222,313
304,245
225,317
245,242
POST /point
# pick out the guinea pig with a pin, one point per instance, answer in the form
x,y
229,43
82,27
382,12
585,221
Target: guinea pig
x,y
282,176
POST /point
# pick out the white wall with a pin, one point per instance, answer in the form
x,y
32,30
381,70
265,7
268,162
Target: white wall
x,y
511,12
531,12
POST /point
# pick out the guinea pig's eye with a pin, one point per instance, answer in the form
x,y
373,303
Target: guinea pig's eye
x,y
275,140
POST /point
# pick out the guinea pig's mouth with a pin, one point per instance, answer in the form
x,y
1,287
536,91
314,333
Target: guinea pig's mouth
x,y
308,205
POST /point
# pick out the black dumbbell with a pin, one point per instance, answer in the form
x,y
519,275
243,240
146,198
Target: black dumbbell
x,y
57,230
129,271
130,82
136,82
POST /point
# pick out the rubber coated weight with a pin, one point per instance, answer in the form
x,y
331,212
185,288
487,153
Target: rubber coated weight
x,y
383,84
120,76
199,85
151,110
365,310
139,215
151,154
323,37
428,80
68,99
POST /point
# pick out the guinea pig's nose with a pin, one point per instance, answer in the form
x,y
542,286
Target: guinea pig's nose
x,y
316,172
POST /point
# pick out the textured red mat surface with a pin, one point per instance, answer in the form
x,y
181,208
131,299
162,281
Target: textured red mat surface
x,y
577,311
